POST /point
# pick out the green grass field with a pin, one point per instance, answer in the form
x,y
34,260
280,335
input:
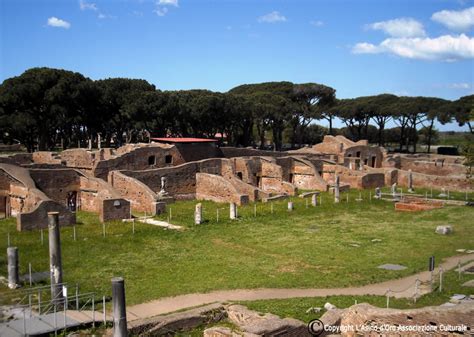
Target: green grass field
x,y
309,247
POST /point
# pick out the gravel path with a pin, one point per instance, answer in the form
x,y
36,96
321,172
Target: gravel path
x,y
399,288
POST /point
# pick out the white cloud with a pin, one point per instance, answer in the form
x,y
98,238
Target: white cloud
x,y
168,2
365,48
462,86
161,11
447,48
161,6
455,20
83,5
402,27
272,17
316,23
55,22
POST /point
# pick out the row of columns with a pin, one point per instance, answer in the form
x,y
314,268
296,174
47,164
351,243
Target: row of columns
x,y
233,211
56,276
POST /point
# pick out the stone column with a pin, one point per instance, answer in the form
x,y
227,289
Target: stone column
x,y
198,214
410,181
12,256
55,266
233,211
336,190
394,190
290,206
378,193
119,307
314,200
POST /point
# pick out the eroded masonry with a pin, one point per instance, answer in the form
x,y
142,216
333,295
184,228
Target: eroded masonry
x,y
145,177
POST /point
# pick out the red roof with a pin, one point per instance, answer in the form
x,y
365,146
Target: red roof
x,y
184,140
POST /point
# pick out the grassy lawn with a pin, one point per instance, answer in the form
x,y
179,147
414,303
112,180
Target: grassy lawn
x,y
309,247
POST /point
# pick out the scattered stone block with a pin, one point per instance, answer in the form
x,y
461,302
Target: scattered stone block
x,y
469,283
290,206
313,309
390,266
198,214
308,194
328,306
444,230
376,240
218,331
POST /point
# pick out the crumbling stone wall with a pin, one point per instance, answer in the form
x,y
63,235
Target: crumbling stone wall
x,y
198,151
57,183
79,158
449,182
143,157
37,218
370,156
231,152
219,189
181,179
45,157
302,173
141,197
433,167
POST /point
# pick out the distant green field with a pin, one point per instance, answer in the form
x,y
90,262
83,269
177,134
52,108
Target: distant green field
x,y
309,247
454,138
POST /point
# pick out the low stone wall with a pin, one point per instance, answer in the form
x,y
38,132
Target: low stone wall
x,y
38,217
450,182
432,167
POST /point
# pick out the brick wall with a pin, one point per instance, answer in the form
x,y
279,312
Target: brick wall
x,y
114,209
38,217
141,197
219,189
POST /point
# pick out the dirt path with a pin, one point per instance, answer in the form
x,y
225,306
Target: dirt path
x,y
400,288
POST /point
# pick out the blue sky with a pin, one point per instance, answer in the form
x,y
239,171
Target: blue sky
x,y
364,47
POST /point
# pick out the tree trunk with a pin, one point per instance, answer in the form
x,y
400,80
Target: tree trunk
x,y
429,135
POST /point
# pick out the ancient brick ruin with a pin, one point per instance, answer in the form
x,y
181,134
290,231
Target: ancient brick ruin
x,y
143,177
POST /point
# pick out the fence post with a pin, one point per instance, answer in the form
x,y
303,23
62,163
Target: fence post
x,y
24,322
440,279
103,229
39,301
133,226
29,273
459,269
77,297
55,321
103,307
74,232
42,239
217,215
388,298
255,210
8,240
93,310
416,290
